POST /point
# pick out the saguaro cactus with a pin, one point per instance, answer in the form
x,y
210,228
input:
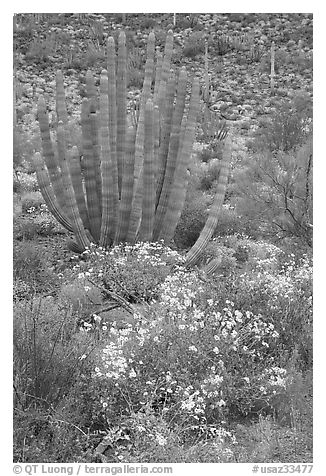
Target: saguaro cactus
x,y
133,182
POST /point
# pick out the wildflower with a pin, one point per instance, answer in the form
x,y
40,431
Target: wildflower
x,y
216,350
132,373
246,379
160,439
168,377
95,316
193,348
221,403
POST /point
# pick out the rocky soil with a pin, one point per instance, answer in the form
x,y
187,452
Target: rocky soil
x,y
239,78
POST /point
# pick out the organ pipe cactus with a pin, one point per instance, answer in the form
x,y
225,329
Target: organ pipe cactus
x,y
133,179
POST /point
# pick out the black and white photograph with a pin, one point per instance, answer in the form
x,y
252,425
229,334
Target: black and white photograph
x,y
162,241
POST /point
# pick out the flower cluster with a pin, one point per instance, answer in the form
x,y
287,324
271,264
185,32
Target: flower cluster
x,y
133,271
193,357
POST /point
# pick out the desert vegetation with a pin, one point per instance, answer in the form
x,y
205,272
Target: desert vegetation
x,y
162,186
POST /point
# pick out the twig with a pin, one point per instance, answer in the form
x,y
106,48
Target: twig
x,y
115,297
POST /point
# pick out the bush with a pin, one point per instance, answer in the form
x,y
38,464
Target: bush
x,y
288,128
30,266
33,226
192,219
24,146
280,288
26,182
135,69
32,202
133,272
197,356
49,357
274,193
194,361
194,45
209,175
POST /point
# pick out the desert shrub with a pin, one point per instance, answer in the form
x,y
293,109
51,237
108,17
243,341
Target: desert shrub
x,y
43,434
148,23
194,361
78,296
27,182
284,293
299,59
30,266
206,154
288,435
230,223
274,192
192,220
209,174
135,68
25,229
256,53
24,146
16,186
145,436
49,357
94,55
289,127
134,272
21,290
32,202
35,224
47,350
194,45
40,49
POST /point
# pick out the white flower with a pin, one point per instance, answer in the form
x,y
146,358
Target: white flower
x,y
246,379
160,439
193,348
216,350
132,373
95,316
221,403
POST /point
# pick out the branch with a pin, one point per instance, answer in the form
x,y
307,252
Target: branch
x,y
115,297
